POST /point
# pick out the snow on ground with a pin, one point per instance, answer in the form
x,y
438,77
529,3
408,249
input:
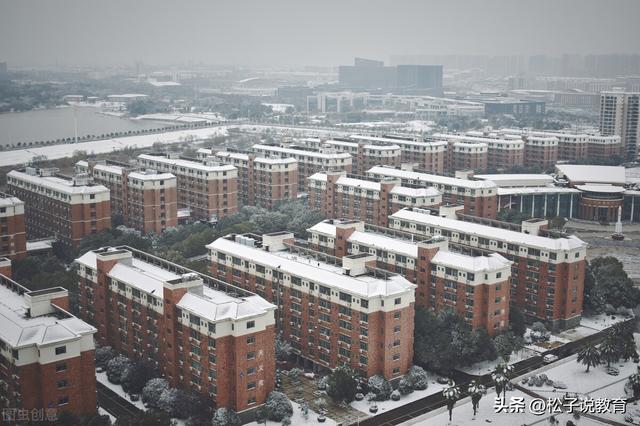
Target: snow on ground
x,y
15,157
104,412
484,367
553,342
577,333
298,419
419,126
601,321
384,406
102,378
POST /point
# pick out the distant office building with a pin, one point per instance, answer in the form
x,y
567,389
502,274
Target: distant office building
x,y
13,241
67,208
514,107
47,357
369,74
620,115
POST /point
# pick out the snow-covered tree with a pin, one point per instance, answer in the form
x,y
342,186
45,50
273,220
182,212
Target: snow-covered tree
x,y
451,393
136,375
115,367
609,351
283,349
418,377
152,391
103,354
634,382
286,421
405,387
589,356
170,401
380,387
278,406
539,332
225,417
395,395
342,384
500,377
476,390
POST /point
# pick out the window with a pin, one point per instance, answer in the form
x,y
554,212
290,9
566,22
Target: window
x,y
61,367
345,297
251,324
396,357
364,303
251,340
251,385
396,329
62,384
61,350
396,315
63,401
251,400
397,301
251,371
251,355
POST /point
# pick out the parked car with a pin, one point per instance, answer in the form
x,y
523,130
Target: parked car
x,y
549,358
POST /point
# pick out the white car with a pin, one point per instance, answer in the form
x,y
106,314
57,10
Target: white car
x,y
549,358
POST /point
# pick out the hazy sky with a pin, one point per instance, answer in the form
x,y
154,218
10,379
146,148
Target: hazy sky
x,y
301,32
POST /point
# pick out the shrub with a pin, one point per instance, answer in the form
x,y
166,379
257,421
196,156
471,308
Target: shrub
x,y
380,387
278,406
418,377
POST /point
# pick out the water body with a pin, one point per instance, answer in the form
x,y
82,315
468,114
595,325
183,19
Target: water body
x,y
57,123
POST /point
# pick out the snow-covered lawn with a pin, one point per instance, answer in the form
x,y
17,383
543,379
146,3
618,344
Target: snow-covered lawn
x,y
484,367
102,378
601,321
298,419
577,333
553,342
384,406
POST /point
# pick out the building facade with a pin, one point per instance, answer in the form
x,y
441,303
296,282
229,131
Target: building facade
x,y
13,240
331,314
620,115
364,156
68,209
202,334
47,360
547,274
209,190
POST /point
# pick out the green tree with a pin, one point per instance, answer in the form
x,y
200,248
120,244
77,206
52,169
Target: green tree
x,y
589,356
517,321
343,384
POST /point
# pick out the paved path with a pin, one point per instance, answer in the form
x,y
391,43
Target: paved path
x,y
116,405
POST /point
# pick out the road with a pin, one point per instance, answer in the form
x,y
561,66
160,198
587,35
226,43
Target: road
x,y
419,407
115,405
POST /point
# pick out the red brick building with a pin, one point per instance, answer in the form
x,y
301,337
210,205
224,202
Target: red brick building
x,y
468,156
337,195
479,198
67,208
476,287
540,151
262,182
47,361
13,240
310,161
331,314
547,274
202,334
209,189
146,200
364,156
604,147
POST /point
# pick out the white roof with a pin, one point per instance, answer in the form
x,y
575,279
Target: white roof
x,y
569,243
359,183
318,272
58,184
594,174
602,188
521,179
293,151
397,141
18,330
492,262
8,200
519,190
195,165
430,179
109,168
415,192
146,175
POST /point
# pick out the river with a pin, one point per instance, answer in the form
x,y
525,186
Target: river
x,y
57,123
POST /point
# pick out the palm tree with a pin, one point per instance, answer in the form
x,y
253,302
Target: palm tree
x,y
476,390
609,350
451,394
500,377
589,356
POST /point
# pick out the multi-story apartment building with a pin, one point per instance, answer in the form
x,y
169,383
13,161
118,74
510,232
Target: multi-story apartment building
x,y
364,156
309,161
68,209
337,195
604,147
620,115
429,156
263,182
13,240
146,200
331,314
479,198
468,156
540,151
476,287
201,333
547,275
209,189
47,362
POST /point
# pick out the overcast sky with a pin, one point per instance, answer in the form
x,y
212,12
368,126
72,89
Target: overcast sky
x,y
301,32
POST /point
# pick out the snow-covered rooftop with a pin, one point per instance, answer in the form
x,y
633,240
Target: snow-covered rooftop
x,y
7,200
521,179
476,264
57,184
315,271
188,164
544,243
593,174
431,179
294,151
147,175
415,192
601,187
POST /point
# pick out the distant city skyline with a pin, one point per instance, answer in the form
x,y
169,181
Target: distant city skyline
x,y
291,33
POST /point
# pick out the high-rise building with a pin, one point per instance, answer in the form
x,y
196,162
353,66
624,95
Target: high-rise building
x,y
364,156
65,208
13,240
202,334
47,360
620,115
